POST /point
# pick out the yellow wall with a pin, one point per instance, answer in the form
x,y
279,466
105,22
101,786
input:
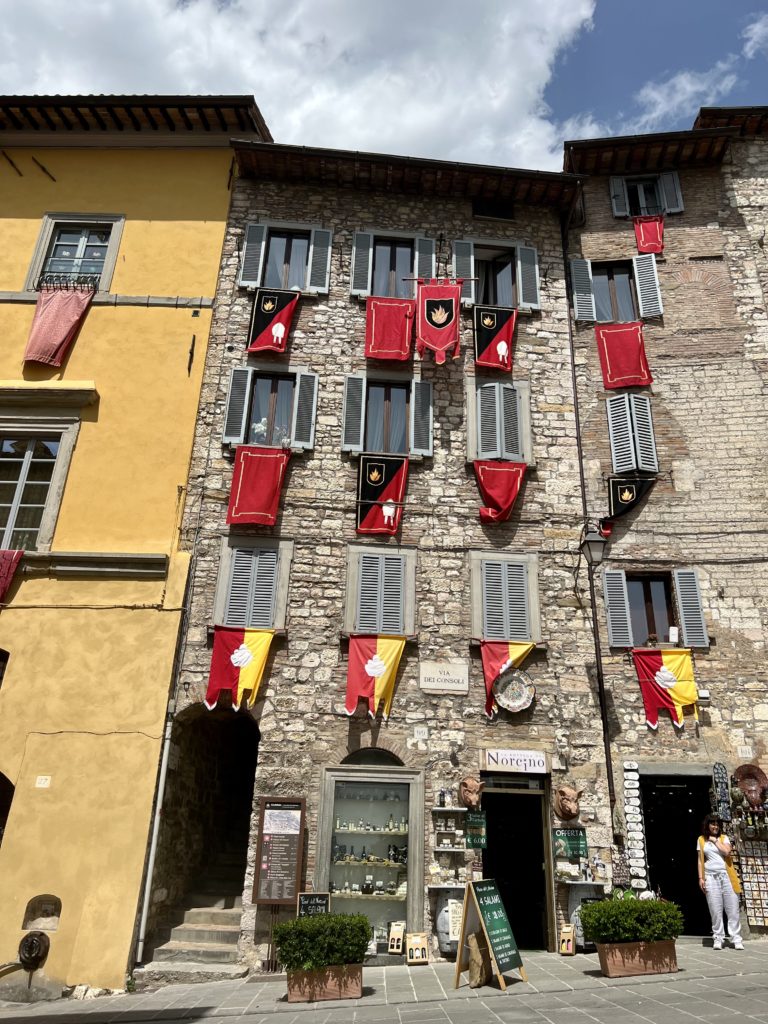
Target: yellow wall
x,y
87,684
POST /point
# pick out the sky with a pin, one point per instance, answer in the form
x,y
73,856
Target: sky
x,y
493,81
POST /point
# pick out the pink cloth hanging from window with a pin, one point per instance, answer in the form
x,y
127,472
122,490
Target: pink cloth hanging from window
x,y
58,316
9,561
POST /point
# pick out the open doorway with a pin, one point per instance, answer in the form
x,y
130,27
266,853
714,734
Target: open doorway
x,y
673,809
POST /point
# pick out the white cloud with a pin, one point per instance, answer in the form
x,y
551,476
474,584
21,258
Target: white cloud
x,y
755,37
680,95
452,81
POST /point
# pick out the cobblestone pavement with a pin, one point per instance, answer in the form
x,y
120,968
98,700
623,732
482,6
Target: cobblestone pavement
x,y
710,986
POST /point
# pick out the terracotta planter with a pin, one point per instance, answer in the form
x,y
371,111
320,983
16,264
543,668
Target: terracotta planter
x,y
624,959
342,982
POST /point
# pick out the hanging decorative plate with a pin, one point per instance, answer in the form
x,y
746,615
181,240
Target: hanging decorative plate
x,y
514,690
632,765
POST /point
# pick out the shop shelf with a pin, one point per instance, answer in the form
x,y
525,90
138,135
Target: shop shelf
x,y
366,832
367,896
369,864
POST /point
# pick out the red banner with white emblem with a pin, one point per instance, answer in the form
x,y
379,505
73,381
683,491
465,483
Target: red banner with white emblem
x,y
380,492
273,313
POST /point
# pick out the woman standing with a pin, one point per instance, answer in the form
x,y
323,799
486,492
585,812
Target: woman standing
x,y
718,881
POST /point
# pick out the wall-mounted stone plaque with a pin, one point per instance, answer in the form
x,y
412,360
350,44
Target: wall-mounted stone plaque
x,y
444,676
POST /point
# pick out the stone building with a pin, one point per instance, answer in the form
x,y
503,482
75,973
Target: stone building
x,y
685,566
315,219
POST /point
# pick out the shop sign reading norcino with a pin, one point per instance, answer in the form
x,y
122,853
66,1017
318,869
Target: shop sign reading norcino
x,y
504,760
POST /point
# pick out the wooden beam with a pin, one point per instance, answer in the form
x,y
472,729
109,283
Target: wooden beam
x,y
150,118
132,118
84,123
185,118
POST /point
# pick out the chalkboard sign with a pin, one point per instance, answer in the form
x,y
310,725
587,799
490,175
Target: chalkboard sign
x,y
279,850
312,903
474,822
496,924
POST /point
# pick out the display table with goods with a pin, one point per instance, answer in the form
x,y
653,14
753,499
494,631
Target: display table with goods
x,y
633,936
323,956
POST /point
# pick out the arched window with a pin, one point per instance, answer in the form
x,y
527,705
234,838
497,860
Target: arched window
x,y
43,913
373,756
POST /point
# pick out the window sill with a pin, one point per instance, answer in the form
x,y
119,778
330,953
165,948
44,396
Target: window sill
x,y
211,630
72,394
540,645
531,464
105,565
110,299
393,455
410,638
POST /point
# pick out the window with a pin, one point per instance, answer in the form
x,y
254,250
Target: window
x,y
630,431
76,247
385,263
380,590
26,471
646,195
498,421
608,292
505,597
498,273
387,416
495,208
640,608
271,409
279,255
252,588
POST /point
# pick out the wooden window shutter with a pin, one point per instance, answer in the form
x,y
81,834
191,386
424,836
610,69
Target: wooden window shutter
x,y
645,441
380,594
488,416
253,255
527,277
238,395
392,594
464,266
362,263
319,272
421,417
689,610
581,283
647,284
304,410
494,625
252,588
353,414
262,611
424,257
506,605
619,198
512,421
671,196
617,608
620,434
516,587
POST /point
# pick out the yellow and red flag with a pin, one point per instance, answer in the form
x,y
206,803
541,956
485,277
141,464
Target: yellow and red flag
x,y
666,681
371,671
500,656
237,664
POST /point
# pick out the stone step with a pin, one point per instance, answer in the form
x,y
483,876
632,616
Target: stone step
x,y
184,972
196,952
225,900
209,915
225,934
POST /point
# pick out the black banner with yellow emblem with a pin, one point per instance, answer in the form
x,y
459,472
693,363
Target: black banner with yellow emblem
x,y
625,493
381,486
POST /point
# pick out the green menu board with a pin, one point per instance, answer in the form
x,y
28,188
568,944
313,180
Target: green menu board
x,y
496,925
474,822
569,842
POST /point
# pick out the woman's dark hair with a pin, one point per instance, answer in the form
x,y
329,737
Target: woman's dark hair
x,y
708,821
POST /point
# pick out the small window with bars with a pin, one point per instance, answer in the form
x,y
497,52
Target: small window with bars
x,y
26,470
76,254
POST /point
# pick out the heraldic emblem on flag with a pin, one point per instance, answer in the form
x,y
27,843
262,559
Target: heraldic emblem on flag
x,y
494,330
381,486
666,681
237,664
437,318
625,493
273,313
371,672
498,657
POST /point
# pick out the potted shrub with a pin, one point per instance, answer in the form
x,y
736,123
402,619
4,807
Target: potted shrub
x,y
633,936
323,956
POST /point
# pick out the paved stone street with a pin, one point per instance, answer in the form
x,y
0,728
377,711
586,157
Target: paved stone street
x,y
710,986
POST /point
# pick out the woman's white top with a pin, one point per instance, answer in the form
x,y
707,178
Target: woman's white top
x,y
713,859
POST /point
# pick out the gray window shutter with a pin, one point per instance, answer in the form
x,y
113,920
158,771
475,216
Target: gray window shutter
x,y
506,610
516,586
362,263
581,283
304,409
253,255
488,417
252,588
421,417
617,608
380,593
464,266
368,591
319,274
512,420
619,199
671,196
620,434
689,611
645,441
528,277
353,415
647,283
424,257
238,394
493,600
392,594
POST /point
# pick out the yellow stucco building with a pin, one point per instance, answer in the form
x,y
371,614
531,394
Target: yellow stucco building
x,y
127,196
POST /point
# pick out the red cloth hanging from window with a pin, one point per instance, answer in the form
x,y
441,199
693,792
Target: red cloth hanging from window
x,y
649,233
499,484
389,328
59,314
499,656
9,561
273,313
494,331
381,486
437,318
237,664
256,484
666,681
371,672
622,355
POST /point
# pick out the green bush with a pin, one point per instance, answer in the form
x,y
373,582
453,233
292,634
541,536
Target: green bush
x,y
322,940
631,921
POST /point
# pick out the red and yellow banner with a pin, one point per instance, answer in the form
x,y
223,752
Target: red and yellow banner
x,y
500,656
237,664
666,681
371,672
